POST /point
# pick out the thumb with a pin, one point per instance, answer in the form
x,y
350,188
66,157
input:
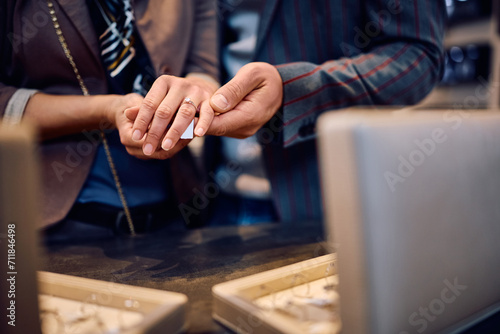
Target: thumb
x,y
131,113
232,93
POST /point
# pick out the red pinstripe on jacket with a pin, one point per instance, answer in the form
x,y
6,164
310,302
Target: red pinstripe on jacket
x,y
333,54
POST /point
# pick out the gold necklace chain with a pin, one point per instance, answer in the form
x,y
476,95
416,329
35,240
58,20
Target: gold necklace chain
x,y
85,92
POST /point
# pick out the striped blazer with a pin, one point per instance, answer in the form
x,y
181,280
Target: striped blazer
x,y
333,54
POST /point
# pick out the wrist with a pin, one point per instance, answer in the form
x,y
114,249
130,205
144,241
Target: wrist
x,y
102,110
273,81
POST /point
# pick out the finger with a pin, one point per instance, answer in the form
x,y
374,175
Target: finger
x,y
131,113
205,119
229,95
239,123
159,154
137,151
221,125
124,126
182,120
126,140
161,120
149,106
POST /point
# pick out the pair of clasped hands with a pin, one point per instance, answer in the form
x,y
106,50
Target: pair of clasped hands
x,y
152,130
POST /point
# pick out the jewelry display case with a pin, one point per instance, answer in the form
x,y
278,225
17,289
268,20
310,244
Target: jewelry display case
x,y
298,298
70,304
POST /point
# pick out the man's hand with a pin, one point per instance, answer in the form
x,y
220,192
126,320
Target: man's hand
x,y
165,104
253,96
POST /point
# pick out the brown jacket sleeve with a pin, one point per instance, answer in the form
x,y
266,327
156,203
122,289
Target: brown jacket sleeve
x,y
202,56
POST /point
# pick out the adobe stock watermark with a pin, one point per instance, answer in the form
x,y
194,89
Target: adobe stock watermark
x,y
372,29
482,94
76,153
268,133
210,190
30,26
218,181
421,318
453,119
424,149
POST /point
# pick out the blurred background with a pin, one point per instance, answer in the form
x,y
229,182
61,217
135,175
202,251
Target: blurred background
x,y
472,71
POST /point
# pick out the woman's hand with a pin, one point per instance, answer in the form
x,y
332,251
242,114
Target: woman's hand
x,y
118,106
114,107
114,111
164,104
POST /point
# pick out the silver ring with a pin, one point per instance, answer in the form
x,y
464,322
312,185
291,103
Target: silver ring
x,y
188,100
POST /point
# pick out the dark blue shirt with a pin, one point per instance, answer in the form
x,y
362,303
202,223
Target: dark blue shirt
x,y
143,181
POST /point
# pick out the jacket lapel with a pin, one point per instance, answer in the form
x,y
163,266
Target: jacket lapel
x,y
268,13
78,14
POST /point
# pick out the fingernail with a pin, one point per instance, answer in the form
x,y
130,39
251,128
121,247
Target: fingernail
x,y
136,135
167,144
148,149
199,132
220,101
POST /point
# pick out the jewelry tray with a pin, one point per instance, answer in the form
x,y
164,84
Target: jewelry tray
x,y
160,311
242,304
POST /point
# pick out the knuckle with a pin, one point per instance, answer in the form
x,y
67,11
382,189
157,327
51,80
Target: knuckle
x,y
235,89
174,133
184,84
153,136
207,113
258,70
204,123
164,79
254,71
123,140
222,130
148,104
164,112
186,112
141,123
196,90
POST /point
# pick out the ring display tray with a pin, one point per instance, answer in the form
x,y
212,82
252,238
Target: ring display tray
x,y
82,305
298,298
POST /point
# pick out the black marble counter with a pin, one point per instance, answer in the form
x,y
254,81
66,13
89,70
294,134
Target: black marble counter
x,y
187,261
